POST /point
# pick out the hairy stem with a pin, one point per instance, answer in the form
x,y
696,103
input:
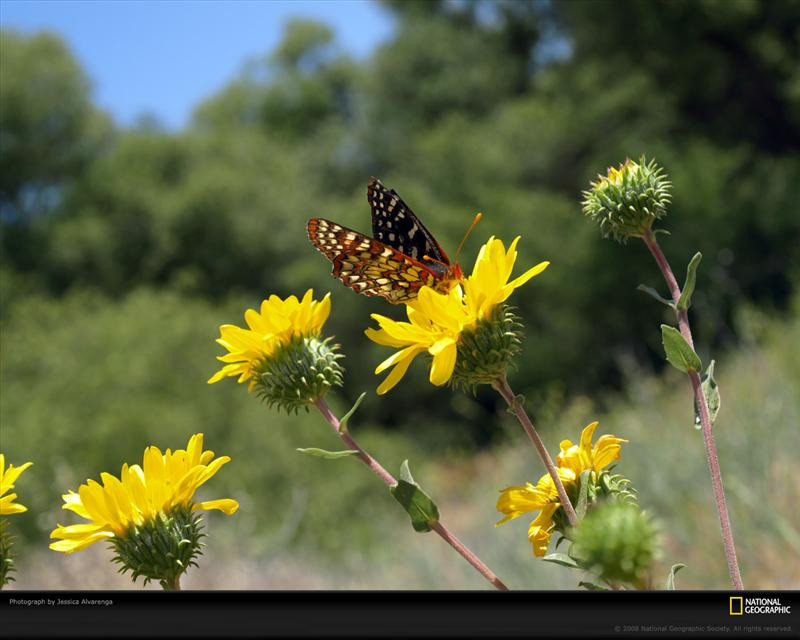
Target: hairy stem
x,y
172,585
505,391
390,481
705,421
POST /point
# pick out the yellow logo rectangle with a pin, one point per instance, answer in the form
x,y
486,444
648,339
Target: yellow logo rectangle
x,y
736,605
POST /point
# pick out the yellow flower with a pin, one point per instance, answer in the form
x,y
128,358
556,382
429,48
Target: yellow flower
x,y
438,321
435,323
140,495
7,479
488,285
571,462
517,501
617,176
580,457
276,324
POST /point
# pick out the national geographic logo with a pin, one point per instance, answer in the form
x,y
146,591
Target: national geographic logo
x,y
739,606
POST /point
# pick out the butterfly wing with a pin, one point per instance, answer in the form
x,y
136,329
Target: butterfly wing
x,y
368,266
395,224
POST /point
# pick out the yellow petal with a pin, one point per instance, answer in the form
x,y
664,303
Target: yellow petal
x,y
93,499
209,470
382,337
530,273
321,312
72,502
226,505
540,530
7,506
606,450
77,537
133,478
9,477
194,448
219,375
514,501
397,356
587,434
396,374
444,353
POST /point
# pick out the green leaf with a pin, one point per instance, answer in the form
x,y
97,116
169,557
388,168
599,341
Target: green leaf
x,y
519,402
591,586
405,473
652,292
670,585
561,558
713,399
349,414
679,354
583,496
423,511
685,301
330,455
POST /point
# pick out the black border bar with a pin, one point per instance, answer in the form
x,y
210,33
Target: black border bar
x,y
408,614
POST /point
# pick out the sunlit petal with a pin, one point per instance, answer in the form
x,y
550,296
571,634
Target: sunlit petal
x,y
444,353
8,476
141,493
276,323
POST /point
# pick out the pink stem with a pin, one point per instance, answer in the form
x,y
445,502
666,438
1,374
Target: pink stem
x,y
389,481
504,390
705,421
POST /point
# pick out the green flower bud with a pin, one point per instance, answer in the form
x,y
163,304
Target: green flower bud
x,y
299,373
162,548
6,555
486,350
618,542
627,201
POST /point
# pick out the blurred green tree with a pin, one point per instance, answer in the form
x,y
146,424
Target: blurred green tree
x,y
50,133
506,107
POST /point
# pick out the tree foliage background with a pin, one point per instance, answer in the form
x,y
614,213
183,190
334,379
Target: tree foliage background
x,y
124,249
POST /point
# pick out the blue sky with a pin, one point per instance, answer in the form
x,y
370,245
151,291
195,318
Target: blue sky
x,y
164,57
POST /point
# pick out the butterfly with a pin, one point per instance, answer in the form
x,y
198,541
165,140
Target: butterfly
x,y
401,258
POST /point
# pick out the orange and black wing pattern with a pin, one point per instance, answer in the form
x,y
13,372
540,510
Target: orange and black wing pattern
x,y
395,224
369,266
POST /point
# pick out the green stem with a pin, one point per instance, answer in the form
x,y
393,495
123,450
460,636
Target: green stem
x,y
705,421
389,481
505,391
172,585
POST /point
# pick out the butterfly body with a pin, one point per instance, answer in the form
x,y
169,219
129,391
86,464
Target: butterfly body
x,y
397,262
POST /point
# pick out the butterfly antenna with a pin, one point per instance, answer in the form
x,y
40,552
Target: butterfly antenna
x,y
475,221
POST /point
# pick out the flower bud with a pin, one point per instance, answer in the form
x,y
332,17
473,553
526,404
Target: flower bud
x,y
618,542
627,201
299,372
161,548
485,350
